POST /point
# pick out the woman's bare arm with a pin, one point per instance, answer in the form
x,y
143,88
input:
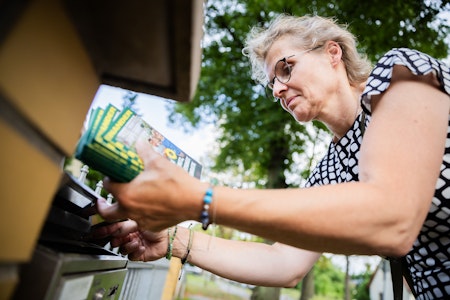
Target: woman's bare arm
x,y
382,214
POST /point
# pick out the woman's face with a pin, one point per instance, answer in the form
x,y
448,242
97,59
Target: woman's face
x,y
311,84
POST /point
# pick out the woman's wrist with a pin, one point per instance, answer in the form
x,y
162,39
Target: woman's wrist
x,y
181,242
189,201
171,234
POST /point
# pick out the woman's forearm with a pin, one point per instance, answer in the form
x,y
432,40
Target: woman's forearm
x,y
248,262
309,219
383,212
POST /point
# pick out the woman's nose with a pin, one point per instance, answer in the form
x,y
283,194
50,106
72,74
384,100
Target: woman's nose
x,y
278,88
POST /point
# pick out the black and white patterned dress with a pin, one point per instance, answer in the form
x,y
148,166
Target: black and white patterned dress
x,y
429,259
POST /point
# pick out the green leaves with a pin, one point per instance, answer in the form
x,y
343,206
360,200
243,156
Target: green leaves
x,y
257,133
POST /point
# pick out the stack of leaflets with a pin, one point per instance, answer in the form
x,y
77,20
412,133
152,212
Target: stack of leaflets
x,y
108,144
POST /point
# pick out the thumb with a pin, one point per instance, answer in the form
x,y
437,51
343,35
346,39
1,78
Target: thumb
x,y
145,150
109,212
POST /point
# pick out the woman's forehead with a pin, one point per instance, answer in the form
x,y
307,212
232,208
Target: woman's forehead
x,y
280,49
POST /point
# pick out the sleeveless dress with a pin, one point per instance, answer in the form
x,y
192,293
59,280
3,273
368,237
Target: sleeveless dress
x,y
428,261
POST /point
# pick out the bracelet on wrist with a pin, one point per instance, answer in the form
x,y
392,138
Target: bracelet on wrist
x,y
207,200
189,246
171,239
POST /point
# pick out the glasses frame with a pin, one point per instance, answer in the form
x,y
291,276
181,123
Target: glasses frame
x,y
269,86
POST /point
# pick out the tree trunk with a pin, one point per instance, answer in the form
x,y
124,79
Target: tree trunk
x,y
265,293
308,286
276,179
347,279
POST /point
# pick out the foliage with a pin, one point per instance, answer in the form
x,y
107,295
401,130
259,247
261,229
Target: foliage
x,y
361,291
328,279
255,133
129,101
92,178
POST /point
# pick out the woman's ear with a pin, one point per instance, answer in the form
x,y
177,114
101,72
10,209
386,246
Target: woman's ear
x,y
334,51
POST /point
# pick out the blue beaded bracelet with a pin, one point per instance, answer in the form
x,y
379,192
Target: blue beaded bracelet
x,y
207,200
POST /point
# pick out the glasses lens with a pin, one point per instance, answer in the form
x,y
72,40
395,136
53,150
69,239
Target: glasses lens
x,y
282,71
268,90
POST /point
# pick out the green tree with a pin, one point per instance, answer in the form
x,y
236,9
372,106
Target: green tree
x,y
255,134
362,280
129,101
328,279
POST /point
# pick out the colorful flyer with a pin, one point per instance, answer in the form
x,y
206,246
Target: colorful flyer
x,y
108,145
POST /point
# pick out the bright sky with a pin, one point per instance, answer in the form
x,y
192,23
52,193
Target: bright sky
x,y
154,112
196,144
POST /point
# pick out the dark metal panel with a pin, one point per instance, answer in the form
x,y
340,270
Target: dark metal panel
x,y
144,46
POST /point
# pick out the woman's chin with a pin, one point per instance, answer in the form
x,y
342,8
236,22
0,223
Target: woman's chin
x,y
301,118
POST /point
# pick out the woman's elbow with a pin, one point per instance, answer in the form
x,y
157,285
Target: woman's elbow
x,y
293,282
397,248
399,242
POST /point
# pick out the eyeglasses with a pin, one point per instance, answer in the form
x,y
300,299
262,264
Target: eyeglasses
x,y
283,69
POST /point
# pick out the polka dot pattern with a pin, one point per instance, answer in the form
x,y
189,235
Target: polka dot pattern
x,y
340,163
429,259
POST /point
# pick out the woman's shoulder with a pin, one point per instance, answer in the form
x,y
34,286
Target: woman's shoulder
x,y
418,62
415,63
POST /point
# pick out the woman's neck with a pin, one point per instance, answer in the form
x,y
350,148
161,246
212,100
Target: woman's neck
x,y
343,115
342,128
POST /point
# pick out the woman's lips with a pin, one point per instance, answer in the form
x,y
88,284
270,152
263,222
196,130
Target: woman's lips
x,y
289,100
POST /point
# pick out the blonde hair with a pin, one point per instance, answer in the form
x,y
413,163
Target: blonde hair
x,y
307,32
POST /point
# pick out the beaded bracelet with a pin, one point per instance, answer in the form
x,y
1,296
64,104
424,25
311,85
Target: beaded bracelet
x,y
170,245
188,250
207,200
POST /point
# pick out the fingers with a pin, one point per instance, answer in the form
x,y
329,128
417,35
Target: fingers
x,y
110,212
112,186
123,240
139,254
145,150
125,228
118,229
130,245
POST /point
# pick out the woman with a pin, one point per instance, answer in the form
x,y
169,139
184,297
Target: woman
x,y
379,190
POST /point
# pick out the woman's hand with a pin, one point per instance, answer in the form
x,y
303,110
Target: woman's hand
x,y
137,244
161,196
